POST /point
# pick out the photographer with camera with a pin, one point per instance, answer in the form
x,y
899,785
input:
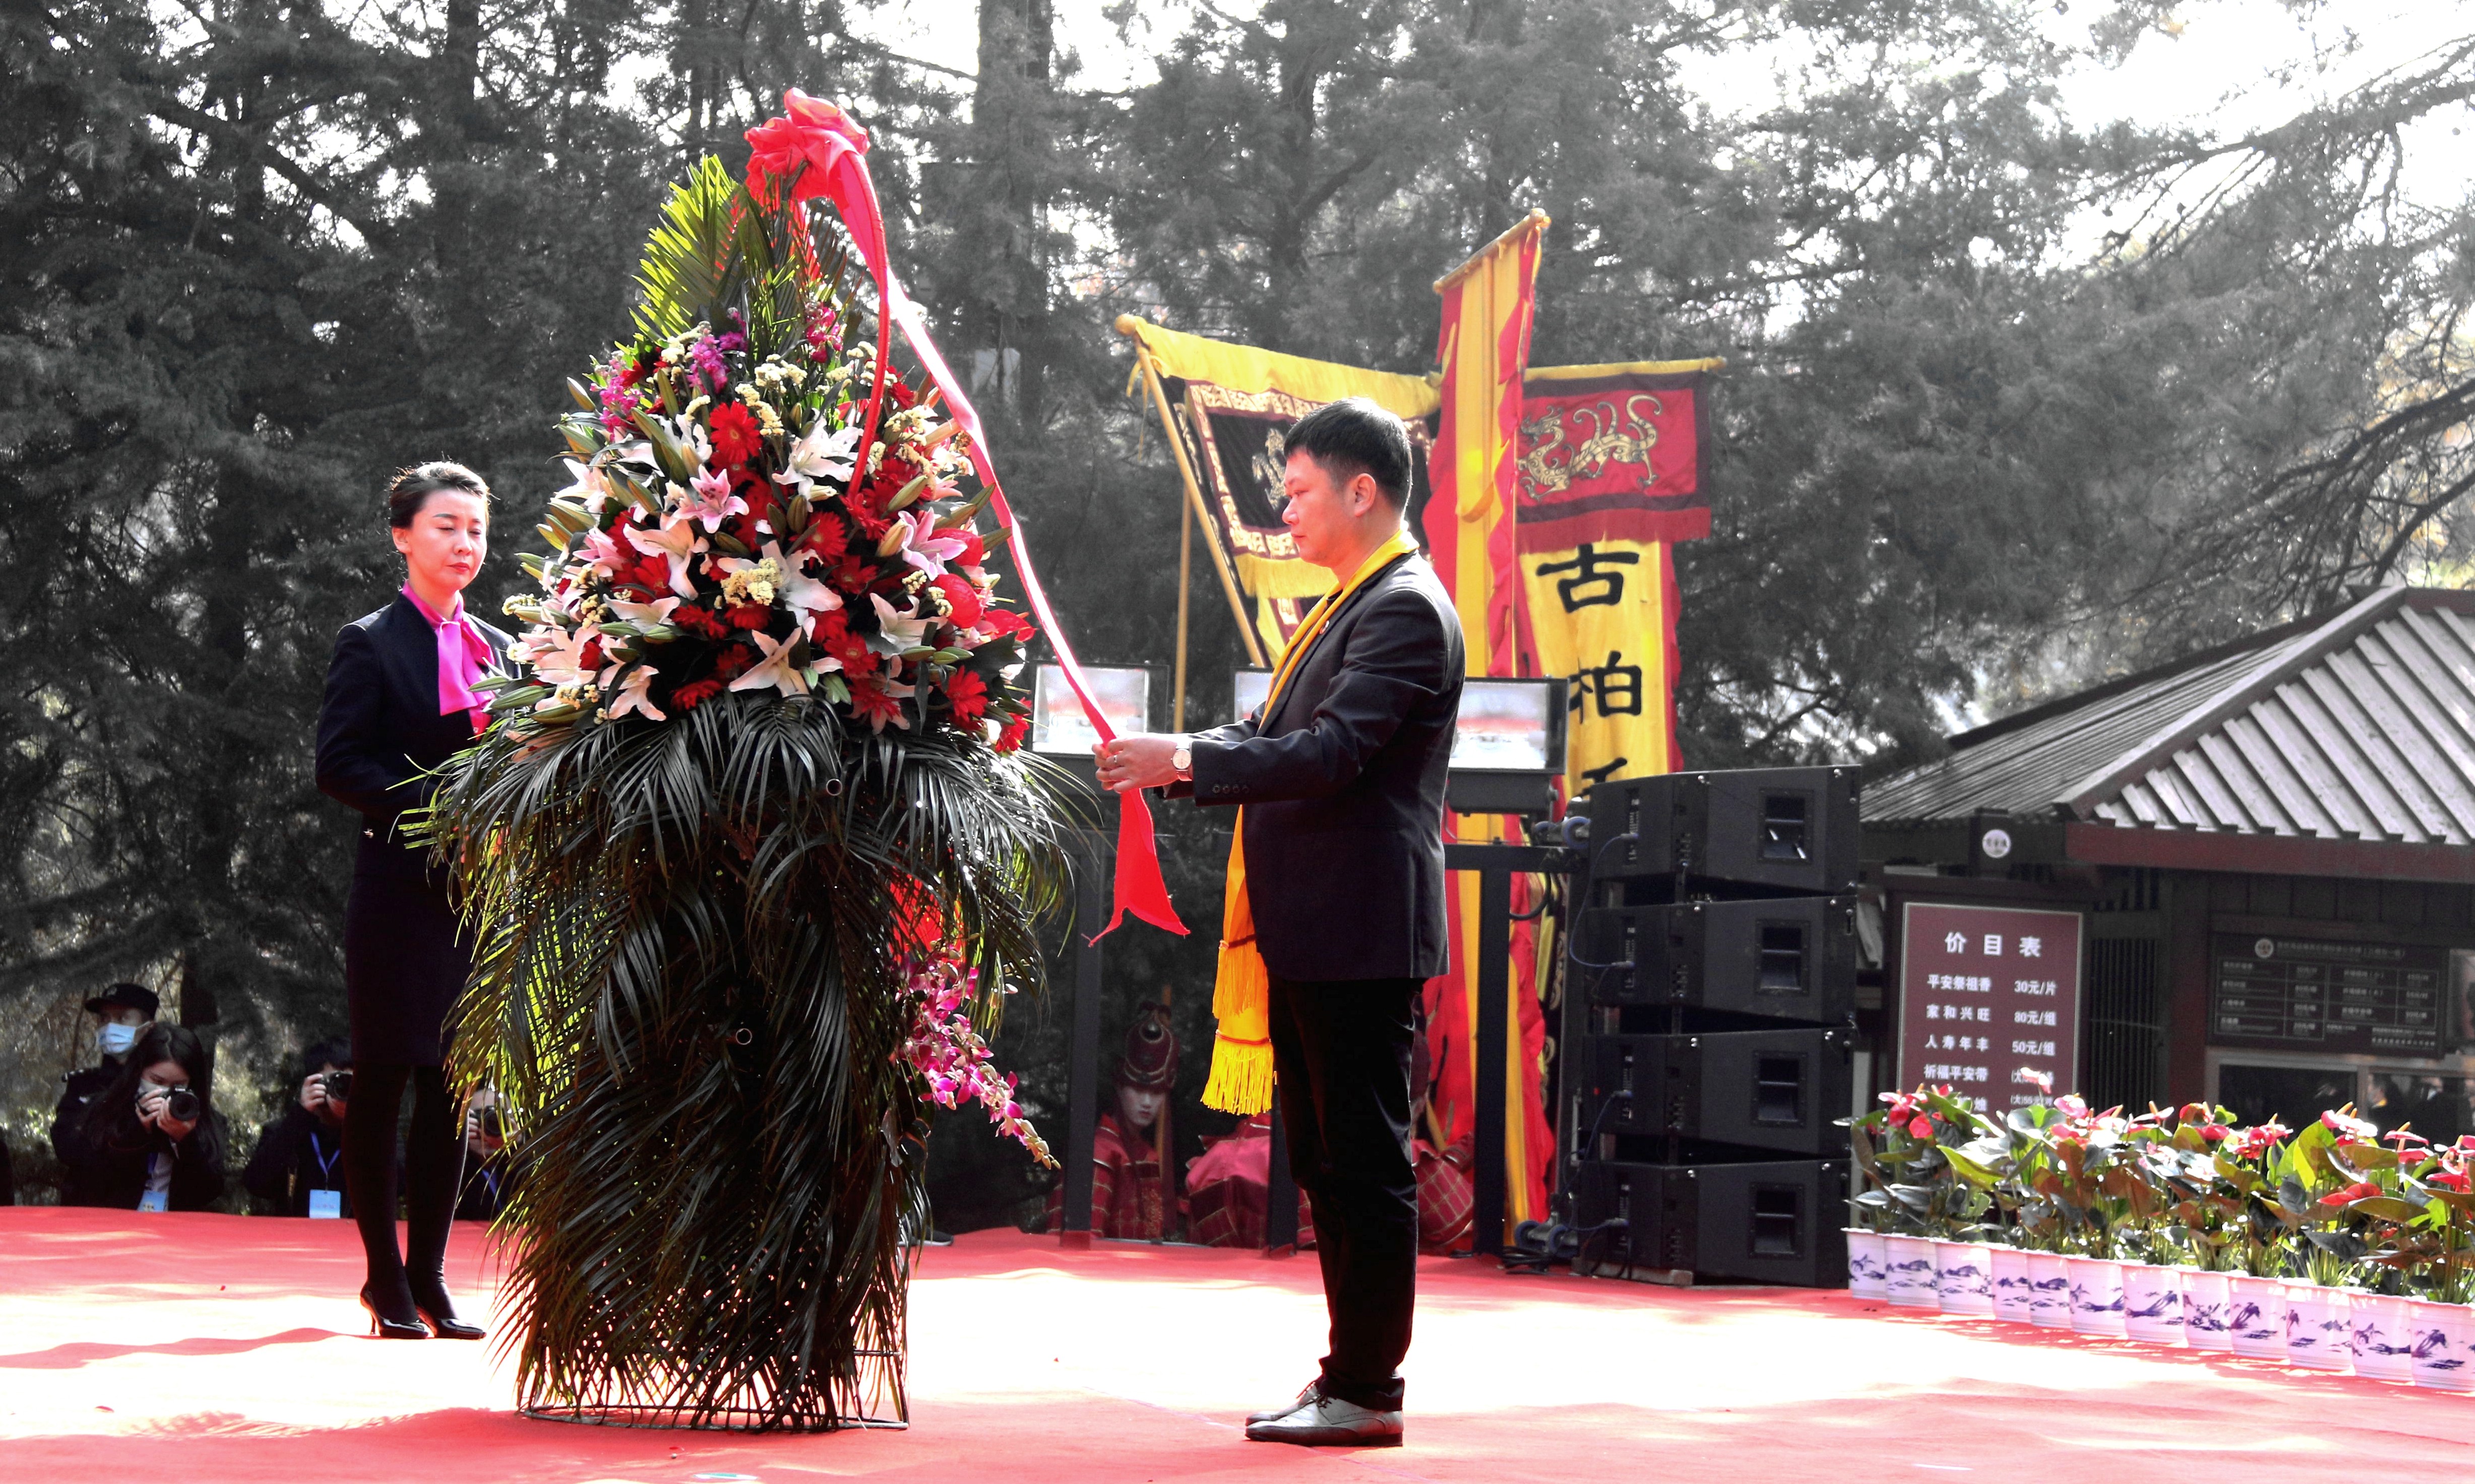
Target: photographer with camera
x,y
152,1141
489,1159
299,1166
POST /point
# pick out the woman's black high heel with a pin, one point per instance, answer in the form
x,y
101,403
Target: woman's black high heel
x,y
383,1327
440,1317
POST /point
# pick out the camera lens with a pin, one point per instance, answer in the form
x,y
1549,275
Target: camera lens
x,y
182,1105
339,1086
492,1125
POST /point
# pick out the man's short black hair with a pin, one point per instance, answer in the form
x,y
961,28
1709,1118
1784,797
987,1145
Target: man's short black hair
x,y
1352,437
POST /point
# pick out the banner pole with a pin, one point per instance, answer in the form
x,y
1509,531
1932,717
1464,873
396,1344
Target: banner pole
x,y
1185,587
1194,496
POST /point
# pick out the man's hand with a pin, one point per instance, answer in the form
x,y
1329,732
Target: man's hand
x,y
313,1092
1140,761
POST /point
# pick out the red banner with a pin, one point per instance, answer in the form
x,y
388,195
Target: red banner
x,y
1610,453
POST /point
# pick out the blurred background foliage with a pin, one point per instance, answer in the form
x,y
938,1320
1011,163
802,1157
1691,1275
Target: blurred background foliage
x,y
2015,398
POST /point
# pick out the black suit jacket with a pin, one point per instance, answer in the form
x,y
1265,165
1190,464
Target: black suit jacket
x,y
1344,784
380,737
379,730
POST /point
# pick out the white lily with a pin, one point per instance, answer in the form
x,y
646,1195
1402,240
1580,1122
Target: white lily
x,y
588,486
821,454
632,694
677,540
804,593
775,670
896,631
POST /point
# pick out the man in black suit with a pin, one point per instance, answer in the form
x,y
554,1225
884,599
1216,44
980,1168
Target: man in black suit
x,y
1342,776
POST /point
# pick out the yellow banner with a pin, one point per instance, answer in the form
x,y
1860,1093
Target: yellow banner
x,y
1602,617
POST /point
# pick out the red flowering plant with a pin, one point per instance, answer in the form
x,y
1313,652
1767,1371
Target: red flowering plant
x,y
2196,1213
2440,1180
2092,1176
2325,1188
2405,1216
723,533
1922,1154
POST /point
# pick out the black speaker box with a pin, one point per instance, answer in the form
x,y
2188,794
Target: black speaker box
x,y
1785,958
1757,1223
1786,830
1778,1091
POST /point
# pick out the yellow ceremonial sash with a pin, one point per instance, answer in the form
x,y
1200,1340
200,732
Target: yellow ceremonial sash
x,y
1241,996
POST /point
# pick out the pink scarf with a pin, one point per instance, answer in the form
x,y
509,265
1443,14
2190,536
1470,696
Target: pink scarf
x,y
463,658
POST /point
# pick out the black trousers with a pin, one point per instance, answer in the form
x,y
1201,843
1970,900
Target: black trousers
x,y
1340,1049
433,1153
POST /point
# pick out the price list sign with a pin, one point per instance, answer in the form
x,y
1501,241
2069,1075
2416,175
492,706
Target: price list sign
x,y
1988,1000
2288,992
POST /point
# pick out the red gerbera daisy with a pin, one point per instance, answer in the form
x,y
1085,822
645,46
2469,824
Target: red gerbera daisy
x,y
735,438
969,694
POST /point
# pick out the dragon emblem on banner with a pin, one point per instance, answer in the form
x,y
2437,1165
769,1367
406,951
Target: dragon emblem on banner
x,y
1550,465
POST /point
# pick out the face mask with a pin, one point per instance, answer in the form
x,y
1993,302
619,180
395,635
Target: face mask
x,y
115,1040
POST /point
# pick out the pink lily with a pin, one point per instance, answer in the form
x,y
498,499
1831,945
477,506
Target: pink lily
x,y
632,694
708,498
918,542
775,670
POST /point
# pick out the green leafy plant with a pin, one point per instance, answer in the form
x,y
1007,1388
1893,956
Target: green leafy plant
x,y
1920,1181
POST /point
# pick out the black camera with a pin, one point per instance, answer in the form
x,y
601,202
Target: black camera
x,y
182,1105
337,1085
493,1126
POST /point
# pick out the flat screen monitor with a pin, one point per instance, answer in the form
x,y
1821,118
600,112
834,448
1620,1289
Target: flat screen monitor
x,y
1058,726
1506,726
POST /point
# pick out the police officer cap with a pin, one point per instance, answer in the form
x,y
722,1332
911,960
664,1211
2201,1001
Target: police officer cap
x,y
125,996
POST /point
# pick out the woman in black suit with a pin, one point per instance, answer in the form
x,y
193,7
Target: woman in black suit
x,y
399,704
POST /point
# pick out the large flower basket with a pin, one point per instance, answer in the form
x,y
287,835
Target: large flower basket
x,y
751,854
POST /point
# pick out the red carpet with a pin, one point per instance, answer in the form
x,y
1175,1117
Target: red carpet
x,y
203,1348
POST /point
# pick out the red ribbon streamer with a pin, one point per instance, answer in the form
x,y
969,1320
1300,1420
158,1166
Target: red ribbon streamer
x,y
817,134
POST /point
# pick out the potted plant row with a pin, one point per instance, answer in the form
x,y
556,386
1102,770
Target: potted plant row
x,y
2337,1248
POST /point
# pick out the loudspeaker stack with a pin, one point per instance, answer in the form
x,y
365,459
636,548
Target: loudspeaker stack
x,y
1707,1024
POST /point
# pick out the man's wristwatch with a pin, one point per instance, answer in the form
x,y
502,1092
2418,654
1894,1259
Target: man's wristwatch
x,y
1182,759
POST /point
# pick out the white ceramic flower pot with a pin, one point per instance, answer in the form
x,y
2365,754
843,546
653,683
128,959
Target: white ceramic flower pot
x,y
2439,1334
2152,1304
2096,1295
1866,1277
2050,1291
1964,1276
1909,1280
2012,1292
2380,1348
2207,1305
2256,1317
2317,1334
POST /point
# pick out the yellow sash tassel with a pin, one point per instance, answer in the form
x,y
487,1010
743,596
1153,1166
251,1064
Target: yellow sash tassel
x,y
1242,994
